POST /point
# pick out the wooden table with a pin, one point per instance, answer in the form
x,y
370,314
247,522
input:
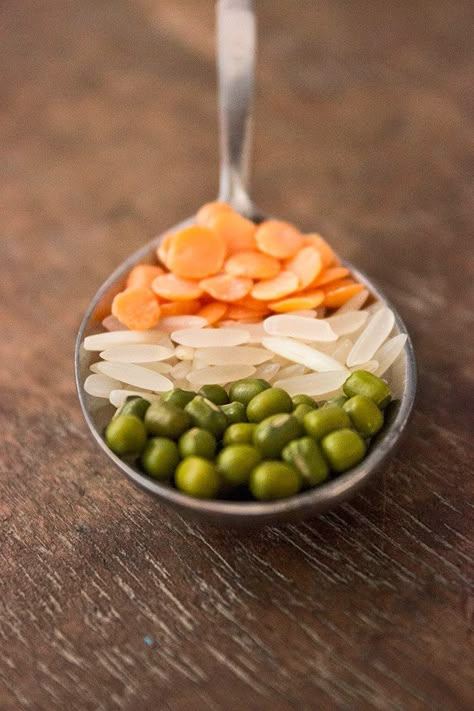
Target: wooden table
x,y
363,131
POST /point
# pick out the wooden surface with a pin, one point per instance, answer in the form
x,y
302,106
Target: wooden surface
x,y
364,131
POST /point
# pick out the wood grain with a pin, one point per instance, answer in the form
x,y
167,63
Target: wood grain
x,y
363,130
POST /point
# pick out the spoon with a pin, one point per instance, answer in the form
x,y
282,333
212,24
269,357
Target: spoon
x,y
236,44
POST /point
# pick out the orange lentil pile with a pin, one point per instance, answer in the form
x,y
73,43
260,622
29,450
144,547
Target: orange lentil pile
x,y
226,267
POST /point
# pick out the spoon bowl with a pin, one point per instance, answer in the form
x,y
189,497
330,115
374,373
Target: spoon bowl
x,y
403,382
236,59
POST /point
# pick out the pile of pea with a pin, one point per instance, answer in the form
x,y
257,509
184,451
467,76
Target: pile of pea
x,y
255,442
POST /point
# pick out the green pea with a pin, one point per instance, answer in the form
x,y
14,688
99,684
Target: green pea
x,y
244,390
343,449
269,402
165,420
207,415
198,477
304,400
235,412
126,434
236,462
361,382
274,433
364,414
214,393
178,397
320,422
305,456
135,405
339,401
160,458
239,433
301,411
274,480
198,443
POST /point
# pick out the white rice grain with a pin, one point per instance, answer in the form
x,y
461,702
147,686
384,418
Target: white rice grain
x,y
314,384
136,375
376,332
355,303
389,352
102,341
348,322
220,375
210,337
100,385
141,353
255,330
305,329
238,355
342,349
303,354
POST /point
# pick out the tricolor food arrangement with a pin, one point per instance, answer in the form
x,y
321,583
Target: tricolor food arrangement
x,y
246,363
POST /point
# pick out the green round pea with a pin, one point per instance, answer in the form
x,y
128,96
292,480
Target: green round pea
x,y
304,400
235,412
364,414
178,397
236,462
301,411
320,422
214,393
239,433
274,480
197,442
207,415
274,433
244,390
361,382
160,458
272,401
165,420
126,434
198,477
339,401
305,456
343,449
135,405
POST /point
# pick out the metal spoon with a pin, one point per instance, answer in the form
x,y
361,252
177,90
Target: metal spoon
x,y
236,43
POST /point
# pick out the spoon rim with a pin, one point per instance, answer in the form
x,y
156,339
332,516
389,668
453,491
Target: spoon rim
x,y
237,513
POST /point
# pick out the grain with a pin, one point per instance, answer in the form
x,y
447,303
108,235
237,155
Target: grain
x,y
376,332
136,375
240,355
210,337
389,352
303,354
313,384
219,375
102,341
141,353
100,385
348,322
307,329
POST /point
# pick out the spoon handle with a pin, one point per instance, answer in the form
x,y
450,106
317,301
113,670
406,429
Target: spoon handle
x,y
236,50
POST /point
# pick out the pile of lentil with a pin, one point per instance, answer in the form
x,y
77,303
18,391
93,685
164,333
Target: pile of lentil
x,y
252,442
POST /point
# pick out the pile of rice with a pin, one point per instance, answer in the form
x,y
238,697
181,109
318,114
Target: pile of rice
x,y
301,352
